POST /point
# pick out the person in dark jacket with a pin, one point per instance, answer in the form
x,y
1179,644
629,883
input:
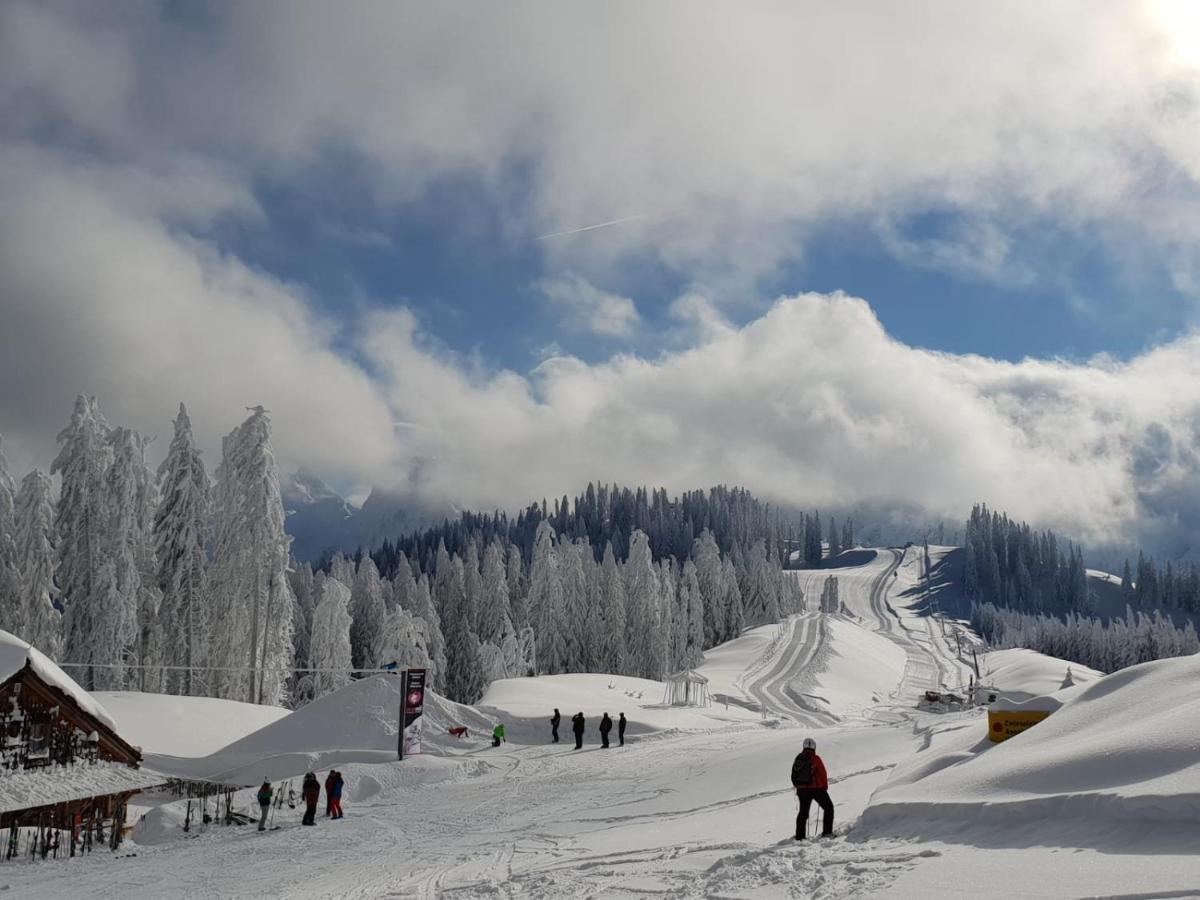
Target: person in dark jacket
x,y
312,793
554,720
329,793
577,727
811,782
265,793
334,790
621,723
605,728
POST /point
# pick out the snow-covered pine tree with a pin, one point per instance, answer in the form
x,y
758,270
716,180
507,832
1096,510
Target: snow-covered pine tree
x,y
304,590
251,635
114,641
495,617
404,641
693,646
642,628
81,521
545,606
35,538
180,540
734,615
472,588
424,609
707,557
12,605
610,652
149,649
330,654
518,587
672,630
464,676
368,612
573,559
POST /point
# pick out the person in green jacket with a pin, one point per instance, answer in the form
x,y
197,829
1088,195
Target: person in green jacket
x,y
498,735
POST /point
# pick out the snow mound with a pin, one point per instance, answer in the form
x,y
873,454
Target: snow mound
x,y
1120,758
358,723
15,653
185,726
1022,674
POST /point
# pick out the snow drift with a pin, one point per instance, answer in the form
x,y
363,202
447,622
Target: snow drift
x,y
184,726
1022,674
1119,760
358,723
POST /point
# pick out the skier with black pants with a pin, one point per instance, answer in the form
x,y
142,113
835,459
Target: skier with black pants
x,y
577,727
554,720
811,782
265,793
605,728
621,723
312,793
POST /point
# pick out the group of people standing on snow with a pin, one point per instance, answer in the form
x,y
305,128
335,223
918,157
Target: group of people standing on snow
x,y
310,790
578,725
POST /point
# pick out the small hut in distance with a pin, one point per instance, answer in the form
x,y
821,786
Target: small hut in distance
x,y
64,770
686,688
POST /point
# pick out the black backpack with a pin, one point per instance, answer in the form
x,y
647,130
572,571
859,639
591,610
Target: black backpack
x,y
802,770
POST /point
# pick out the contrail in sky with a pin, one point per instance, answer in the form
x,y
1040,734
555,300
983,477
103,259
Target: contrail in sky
x,y
555,234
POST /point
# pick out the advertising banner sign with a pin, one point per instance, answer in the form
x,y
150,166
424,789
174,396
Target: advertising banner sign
x,y
411,707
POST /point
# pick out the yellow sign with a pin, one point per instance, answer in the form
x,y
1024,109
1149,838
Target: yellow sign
x,y
1003,724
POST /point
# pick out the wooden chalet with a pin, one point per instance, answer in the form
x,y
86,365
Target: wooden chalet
x,y
65,774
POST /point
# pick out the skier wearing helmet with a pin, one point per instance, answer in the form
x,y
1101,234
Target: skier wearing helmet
x,y
811,783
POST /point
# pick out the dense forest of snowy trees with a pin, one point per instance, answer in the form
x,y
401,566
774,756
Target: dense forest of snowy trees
x,y
1127,641
180,582
1030,589
1010,565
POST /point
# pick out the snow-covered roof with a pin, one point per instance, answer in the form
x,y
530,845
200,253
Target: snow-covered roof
x,y
30,788
14,653
688,675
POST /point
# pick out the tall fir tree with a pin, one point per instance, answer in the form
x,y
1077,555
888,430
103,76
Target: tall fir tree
x,y
115,641
81,521
368,613
330,643
251,638
35,537
642,631
180,540
12,604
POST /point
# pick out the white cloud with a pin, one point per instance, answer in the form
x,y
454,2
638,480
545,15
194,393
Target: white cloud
x,y
751,124
583,307
99,297
815,404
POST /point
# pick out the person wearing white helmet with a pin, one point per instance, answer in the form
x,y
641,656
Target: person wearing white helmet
x,y
811,782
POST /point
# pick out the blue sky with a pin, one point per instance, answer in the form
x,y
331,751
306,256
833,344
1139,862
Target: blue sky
x,y
475,285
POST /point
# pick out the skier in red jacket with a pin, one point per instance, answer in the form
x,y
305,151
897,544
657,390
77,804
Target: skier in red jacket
x,y
811,783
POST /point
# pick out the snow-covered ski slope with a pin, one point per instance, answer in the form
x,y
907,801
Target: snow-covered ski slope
x,y
697,804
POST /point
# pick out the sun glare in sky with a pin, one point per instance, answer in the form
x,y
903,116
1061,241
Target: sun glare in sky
x,y
1181,20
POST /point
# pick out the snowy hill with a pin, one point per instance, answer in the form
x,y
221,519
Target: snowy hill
x,y
1025,673
358,723
1117,766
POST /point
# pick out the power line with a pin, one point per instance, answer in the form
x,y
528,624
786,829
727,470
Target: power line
x,y
74,665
